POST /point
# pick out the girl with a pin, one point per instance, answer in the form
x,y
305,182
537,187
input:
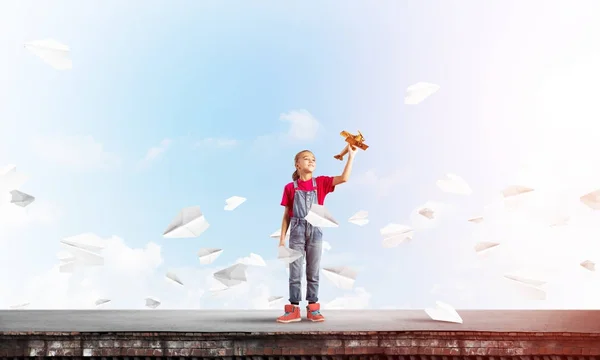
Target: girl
x,y
298,197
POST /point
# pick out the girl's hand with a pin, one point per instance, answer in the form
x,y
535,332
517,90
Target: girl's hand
x,y
351,151
282,242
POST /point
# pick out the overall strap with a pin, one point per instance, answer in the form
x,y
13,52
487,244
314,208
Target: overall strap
x,y
315,188
295,184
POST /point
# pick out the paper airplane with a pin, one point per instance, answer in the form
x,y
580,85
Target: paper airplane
x,y
101,302
189,223
234,202
360,218
485,245
514,190
342,276
52,53
395,234
273,299
277,234
288,255
173,277
233,275
526,288
19,306
320,217
20,198
152,303
454,184
443,312
592,199
253,260
418,92
208,255
589,265
81,250
524,280
426,212
476,220
219,287
87,241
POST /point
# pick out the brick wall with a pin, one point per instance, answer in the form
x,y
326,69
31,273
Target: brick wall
x,y
360,345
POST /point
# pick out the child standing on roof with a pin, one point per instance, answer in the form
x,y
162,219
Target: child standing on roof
x,y
298,197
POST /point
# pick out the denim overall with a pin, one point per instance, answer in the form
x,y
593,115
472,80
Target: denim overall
x,y
308,240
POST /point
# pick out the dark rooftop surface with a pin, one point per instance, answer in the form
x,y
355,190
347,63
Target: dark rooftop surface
x,y
261,321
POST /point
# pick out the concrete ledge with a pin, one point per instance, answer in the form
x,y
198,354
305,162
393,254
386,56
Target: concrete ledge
x,y
223,345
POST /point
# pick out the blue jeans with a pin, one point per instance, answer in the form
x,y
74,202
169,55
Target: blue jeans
x,y
308,240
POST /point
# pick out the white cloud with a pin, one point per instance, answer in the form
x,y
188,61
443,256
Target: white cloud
x,y
155,152
81,152
303,125
381,185
358,300
219,143
39,212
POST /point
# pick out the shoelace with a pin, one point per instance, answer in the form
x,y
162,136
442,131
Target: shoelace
x,y
316,312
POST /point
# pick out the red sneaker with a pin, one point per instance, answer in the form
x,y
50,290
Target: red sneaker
x,y
313,313
292,314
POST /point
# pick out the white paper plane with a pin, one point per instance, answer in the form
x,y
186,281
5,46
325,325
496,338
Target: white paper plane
x,y
274,299
454,184
52,53
592,199
219,287
20,198
152,303
189,223
342,276
173,277
19,306
418,92
524,280
288,255
527,291
426,212
81,257
208,255
395,234
485,245
360,218
233,202
67,266
514,190
444,312
253,260
87,241
476,220
589,265
101,302
277,234
233,275
320,217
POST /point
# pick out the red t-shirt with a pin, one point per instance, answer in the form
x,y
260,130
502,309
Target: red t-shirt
x,y
324,187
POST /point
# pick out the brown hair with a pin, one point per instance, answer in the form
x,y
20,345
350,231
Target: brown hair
x,y
295,175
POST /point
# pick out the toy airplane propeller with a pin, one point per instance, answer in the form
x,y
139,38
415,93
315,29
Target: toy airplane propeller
x,y
354,141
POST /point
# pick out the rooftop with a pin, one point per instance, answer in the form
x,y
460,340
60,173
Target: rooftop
x,y
263,321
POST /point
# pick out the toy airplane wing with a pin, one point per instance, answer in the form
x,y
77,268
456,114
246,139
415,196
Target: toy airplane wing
x,y
361,145
345,134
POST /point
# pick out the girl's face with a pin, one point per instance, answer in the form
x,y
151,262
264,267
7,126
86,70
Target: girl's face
x,y
306,162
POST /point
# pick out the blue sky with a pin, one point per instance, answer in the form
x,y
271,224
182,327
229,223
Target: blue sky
x,y
189,71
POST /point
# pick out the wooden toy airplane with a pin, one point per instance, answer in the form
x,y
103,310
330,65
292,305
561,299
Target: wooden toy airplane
x,y
354,141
